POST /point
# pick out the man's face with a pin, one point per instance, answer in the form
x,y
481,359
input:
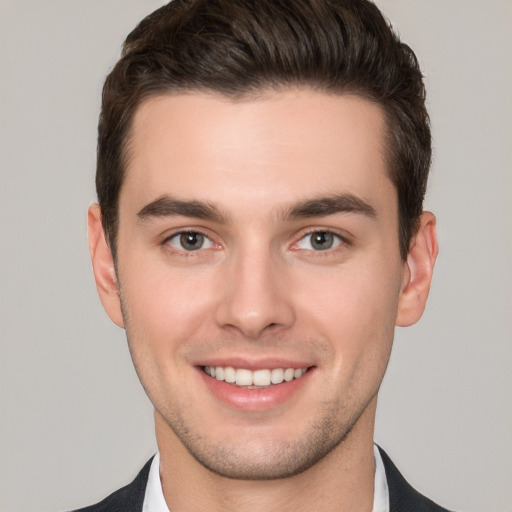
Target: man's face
x,y
259,238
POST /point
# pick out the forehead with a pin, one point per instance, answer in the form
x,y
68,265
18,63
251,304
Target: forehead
x,y
288,145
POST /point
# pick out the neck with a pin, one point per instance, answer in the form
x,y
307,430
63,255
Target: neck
x,y
342,481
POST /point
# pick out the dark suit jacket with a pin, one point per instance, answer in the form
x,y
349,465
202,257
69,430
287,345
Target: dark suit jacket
x,y
402,497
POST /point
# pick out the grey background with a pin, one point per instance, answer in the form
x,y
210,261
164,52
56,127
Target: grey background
x,y
74,422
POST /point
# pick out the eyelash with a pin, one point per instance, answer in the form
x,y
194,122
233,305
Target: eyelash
x,y
338,240
183,232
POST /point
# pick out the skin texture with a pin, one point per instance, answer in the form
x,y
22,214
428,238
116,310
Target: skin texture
x,y
259,295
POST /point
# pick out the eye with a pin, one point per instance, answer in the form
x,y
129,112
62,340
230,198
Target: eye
x,y
189,241
319,241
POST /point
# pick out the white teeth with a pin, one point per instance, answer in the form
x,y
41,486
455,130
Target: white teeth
x,y
261,378
288,374
257,378
219,373
299,373
243,377
229,374
277,376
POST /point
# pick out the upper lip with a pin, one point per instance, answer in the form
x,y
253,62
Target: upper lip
x,y
255,364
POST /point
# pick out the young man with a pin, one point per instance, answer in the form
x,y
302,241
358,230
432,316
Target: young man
x,y
259,234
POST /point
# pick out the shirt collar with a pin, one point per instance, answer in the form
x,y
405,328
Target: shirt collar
x,y
380,484
154,498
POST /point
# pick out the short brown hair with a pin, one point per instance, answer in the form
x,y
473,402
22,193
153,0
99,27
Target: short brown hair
x,y
240,47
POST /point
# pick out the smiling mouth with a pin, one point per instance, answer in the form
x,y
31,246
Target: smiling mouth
x,y
256,379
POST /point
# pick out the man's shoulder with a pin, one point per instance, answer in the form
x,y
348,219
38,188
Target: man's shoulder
x,y
402,496
127,499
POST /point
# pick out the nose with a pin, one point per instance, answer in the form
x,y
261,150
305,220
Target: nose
x,y
254,298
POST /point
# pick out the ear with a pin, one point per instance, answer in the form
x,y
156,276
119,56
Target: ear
x,y
103,266
418,272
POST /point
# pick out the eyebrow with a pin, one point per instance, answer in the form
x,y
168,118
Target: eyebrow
x,y
330,205
167,206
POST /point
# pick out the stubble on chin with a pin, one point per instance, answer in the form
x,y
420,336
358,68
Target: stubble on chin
x,y
240,459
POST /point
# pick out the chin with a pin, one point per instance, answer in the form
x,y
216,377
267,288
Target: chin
x,y
249,458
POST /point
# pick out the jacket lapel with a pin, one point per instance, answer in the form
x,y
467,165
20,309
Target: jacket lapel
x,y
402,497
127,499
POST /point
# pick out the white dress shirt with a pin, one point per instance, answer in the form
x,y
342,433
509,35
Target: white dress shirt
x,y
154,498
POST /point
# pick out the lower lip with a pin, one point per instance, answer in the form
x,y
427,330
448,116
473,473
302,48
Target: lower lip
x,y
254,399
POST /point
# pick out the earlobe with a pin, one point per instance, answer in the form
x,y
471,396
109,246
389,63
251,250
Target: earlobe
x,y
103,266
418,272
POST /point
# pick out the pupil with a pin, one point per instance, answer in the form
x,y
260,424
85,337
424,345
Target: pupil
x,y
191,241
322,241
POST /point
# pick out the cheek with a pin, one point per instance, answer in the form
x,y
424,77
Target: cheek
x,y
362,295
354,309
163,313
164,308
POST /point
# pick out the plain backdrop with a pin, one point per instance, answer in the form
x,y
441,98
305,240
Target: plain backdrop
x,y
74,421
